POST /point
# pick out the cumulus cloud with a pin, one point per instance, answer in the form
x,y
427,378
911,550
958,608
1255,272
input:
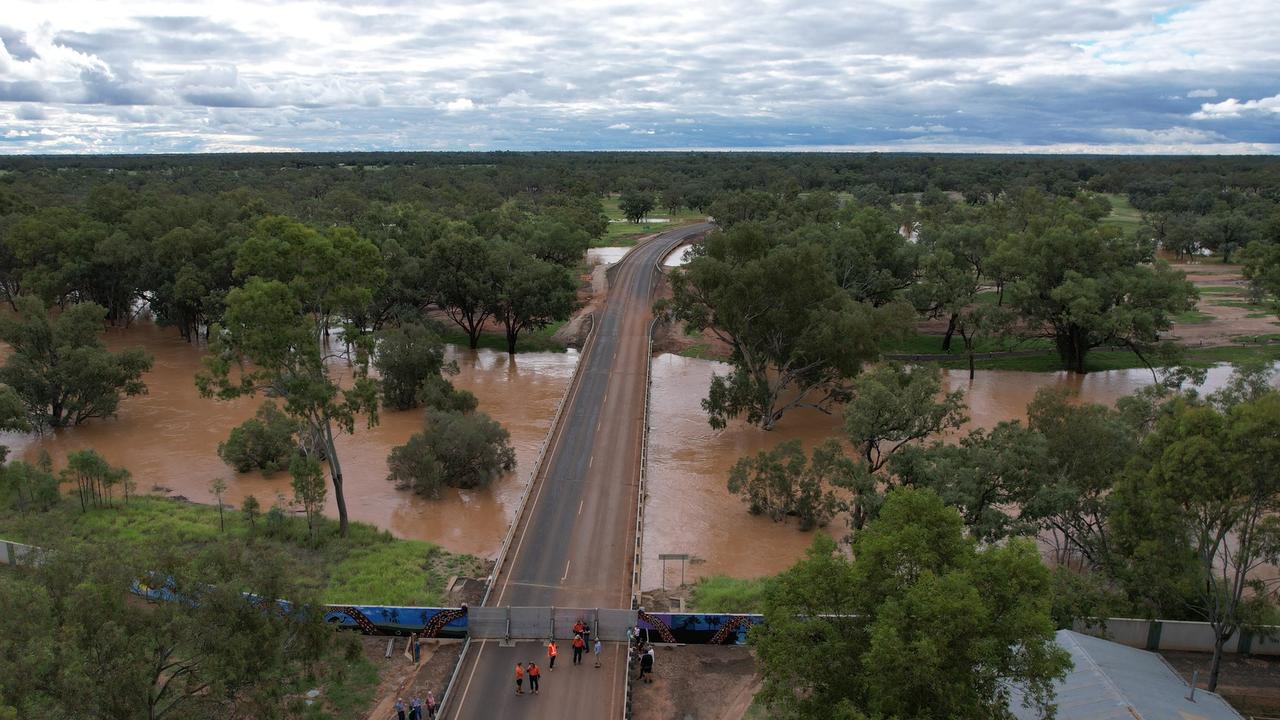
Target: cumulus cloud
x,y
451,73
1232,107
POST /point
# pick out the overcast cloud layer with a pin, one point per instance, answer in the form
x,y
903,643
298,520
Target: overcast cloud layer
x,y
1124,76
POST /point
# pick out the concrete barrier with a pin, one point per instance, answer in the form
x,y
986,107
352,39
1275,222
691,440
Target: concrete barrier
x,y
1182,635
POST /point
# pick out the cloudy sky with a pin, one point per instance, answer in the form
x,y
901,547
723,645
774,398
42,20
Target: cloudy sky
x,y
1124,76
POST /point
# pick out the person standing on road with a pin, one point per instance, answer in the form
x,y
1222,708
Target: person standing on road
x,y
399,708
417,649
431,705
415,708
597,649
551,654
519,679
578,645
534,676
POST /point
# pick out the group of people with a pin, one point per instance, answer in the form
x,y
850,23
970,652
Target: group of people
x,y
581,641
415,708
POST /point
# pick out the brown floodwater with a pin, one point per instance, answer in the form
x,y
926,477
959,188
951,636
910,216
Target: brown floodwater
x,y
169,438
689,509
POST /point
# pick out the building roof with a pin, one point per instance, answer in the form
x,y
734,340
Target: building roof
x,y
1111,681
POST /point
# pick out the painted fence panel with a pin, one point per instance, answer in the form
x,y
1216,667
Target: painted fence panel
x,y
389,620
698,628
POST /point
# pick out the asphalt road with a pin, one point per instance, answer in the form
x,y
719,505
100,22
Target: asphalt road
x,y
573,544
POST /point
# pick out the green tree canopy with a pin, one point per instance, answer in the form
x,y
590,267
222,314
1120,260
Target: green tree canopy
x,y
86,648
530,293
461,450
796,337
267,441
411,366
920,624
1196,513
61,370
1084,286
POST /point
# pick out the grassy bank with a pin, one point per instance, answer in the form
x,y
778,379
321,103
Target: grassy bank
x,y
1249,348
368,567
721,593
539,340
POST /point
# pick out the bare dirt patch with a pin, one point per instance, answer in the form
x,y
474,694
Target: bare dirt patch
x,y
697,682
1250,683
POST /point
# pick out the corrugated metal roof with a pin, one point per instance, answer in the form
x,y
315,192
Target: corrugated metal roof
x,y
1111,681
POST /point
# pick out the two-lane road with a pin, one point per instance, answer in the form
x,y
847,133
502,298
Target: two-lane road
x,y
573,544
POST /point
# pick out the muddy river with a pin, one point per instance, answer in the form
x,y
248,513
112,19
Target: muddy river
x,y
689,510
169,438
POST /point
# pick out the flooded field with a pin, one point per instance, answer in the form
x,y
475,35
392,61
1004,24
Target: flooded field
x,y
169,438
689,510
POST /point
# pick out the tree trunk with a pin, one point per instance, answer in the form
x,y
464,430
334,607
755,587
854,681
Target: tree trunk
x,y
971,365
1216,665
335,472
951,330
511,340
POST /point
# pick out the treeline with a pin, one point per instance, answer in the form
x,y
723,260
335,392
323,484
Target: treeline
x,y
331,185
804,290
1166,506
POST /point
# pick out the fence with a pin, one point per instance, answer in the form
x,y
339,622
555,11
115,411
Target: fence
x,y
18,554
1182,635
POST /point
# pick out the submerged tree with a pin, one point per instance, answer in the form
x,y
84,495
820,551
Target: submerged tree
x,y
264,442
61,368
269,344
461,450
411,367
796,337
782,482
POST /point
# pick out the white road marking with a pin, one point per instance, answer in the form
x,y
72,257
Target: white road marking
x,y
580,502
566,570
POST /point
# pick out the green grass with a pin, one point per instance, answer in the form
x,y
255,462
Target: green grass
x,y
720,593
923,344
1192,317
1122,213
1256,339
1220,290
369,566
626,233
347,696
1255,307
529,341
701,351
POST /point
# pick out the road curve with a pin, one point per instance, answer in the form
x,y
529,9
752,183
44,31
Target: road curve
x,y
573,543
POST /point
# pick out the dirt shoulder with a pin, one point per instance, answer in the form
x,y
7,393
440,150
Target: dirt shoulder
x,y
697,682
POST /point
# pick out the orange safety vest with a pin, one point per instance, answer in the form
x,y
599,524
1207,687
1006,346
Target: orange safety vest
x,y
551,649
534,671
578,643
519,672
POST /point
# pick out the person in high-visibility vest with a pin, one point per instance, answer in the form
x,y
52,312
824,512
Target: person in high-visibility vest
x,y
534,676
519,679
551,654
578,646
